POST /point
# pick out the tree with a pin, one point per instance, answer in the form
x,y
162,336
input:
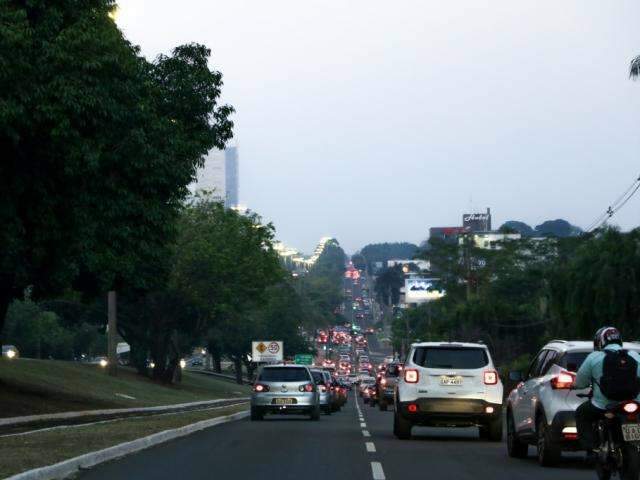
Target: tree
x,y
557,228
98,146
519,227
223,263
382,252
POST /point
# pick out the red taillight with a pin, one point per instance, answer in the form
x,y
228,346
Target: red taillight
x,y
260,388
411,375
490,377
306,388
383,381
322,388
563,380
631,407
412,408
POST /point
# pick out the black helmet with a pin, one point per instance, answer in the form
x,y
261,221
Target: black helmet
x,y
605,336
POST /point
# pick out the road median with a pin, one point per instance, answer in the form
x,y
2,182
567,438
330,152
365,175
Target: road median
x,y
57,454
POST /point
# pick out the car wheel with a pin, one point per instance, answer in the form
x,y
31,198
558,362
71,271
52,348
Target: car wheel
x,y
256,415
401,427
315,413
515,447
383,406
548,452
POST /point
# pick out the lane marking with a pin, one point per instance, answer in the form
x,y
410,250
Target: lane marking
x,y
376,470
370,447
366,433
363,425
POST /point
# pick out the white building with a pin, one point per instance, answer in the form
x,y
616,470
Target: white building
x,y
219,176
491,240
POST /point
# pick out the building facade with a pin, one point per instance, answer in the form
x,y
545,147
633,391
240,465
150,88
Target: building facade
x,y
220,176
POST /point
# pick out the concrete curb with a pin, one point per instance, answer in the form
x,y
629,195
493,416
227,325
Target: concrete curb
x,y
113,411
71,466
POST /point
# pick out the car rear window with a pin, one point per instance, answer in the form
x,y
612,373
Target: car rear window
x,y
284,375
317,376
573,360
450,357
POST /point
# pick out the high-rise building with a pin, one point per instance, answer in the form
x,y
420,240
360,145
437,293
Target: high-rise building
x,y
219,176
231,176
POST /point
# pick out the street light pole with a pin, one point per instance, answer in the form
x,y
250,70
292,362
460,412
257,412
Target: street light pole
x,y
112,332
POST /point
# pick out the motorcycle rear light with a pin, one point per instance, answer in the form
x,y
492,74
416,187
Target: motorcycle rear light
x,y
411,375
490,377
631,407
412,408
260,388
564,380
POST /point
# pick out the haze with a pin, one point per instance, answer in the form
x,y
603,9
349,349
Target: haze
x,y
371,121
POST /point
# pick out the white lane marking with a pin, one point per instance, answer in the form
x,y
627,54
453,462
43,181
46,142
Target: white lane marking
x,y
376,470
363,425
366,433
370,447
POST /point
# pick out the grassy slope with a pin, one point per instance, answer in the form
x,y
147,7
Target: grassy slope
x,y
25,452
29,387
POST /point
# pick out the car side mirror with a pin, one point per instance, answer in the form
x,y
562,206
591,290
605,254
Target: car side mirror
x,y
515,376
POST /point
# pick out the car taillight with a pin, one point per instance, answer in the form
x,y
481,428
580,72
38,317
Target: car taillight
x,y
322,388
490,377
383,381
563,380
260,388
631,407
306,388
411,375
412,408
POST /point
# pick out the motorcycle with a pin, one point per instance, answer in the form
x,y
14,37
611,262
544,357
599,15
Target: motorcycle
x,y
618,435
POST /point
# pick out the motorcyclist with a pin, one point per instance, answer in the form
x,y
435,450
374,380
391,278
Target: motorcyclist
x,y
590,373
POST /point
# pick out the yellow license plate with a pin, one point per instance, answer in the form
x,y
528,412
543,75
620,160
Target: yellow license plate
x,y
284,401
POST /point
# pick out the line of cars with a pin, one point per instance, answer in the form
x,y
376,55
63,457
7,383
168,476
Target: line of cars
x,y
296,389
451,384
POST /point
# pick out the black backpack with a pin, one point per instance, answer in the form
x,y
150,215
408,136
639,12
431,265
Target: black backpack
x,y
619,379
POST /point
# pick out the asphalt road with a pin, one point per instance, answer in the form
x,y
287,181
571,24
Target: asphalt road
x,y
337,447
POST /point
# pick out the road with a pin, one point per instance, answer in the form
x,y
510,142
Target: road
x,y
334,448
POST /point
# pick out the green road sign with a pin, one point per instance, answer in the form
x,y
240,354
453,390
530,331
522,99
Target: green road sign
x,y
303,359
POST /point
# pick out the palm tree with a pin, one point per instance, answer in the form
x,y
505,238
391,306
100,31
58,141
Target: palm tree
x,y
634,68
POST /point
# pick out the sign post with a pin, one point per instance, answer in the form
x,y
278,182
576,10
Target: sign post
x,y
303,359
269,351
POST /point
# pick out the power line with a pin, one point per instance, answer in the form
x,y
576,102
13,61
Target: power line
x,y
620,202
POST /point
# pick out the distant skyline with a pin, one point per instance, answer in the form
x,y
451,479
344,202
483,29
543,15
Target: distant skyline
x,y
372,121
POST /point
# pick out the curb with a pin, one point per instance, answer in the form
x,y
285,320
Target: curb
x,y
114,411
71,466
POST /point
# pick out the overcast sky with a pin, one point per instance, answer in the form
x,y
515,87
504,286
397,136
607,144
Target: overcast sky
x,y
373,120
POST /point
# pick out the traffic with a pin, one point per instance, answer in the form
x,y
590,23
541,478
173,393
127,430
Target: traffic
x,y
449,386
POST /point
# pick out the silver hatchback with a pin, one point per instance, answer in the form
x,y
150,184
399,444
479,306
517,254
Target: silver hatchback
x,y
285,389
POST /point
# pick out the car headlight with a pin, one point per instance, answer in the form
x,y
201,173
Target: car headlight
x,y
183,363
103,363
11,354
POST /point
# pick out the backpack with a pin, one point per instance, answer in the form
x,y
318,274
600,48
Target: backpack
x,y
619,379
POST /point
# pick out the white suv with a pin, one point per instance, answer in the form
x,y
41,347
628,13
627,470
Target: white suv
x,y
449,385
541,409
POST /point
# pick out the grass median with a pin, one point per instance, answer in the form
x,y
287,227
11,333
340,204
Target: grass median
x,y
25,452
30,387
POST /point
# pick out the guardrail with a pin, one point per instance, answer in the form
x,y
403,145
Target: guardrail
x,y
221,376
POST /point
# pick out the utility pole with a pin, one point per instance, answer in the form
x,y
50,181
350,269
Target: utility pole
x,y
112,332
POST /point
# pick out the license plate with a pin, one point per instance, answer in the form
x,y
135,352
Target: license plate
x,y
631,432
284,401
447,380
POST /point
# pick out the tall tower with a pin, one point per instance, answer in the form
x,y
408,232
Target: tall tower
x,y
231,172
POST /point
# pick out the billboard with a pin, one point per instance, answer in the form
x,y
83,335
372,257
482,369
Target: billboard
x,y
477,222
421,289
266,351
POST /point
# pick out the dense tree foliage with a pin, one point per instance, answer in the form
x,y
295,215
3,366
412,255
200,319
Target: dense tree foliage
x,y
98,146
382,252
516,297
550,228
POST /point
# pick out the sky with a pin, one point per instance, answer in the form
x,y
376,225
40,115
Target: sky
x,y
371,121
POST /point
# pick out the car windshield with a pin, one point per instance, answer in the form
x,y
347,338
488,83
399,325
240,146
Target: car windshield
x,y
284,375
450,357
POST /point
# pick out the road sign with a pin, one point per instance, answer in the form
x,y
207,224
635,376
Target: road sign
x,y
303,359
266,351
